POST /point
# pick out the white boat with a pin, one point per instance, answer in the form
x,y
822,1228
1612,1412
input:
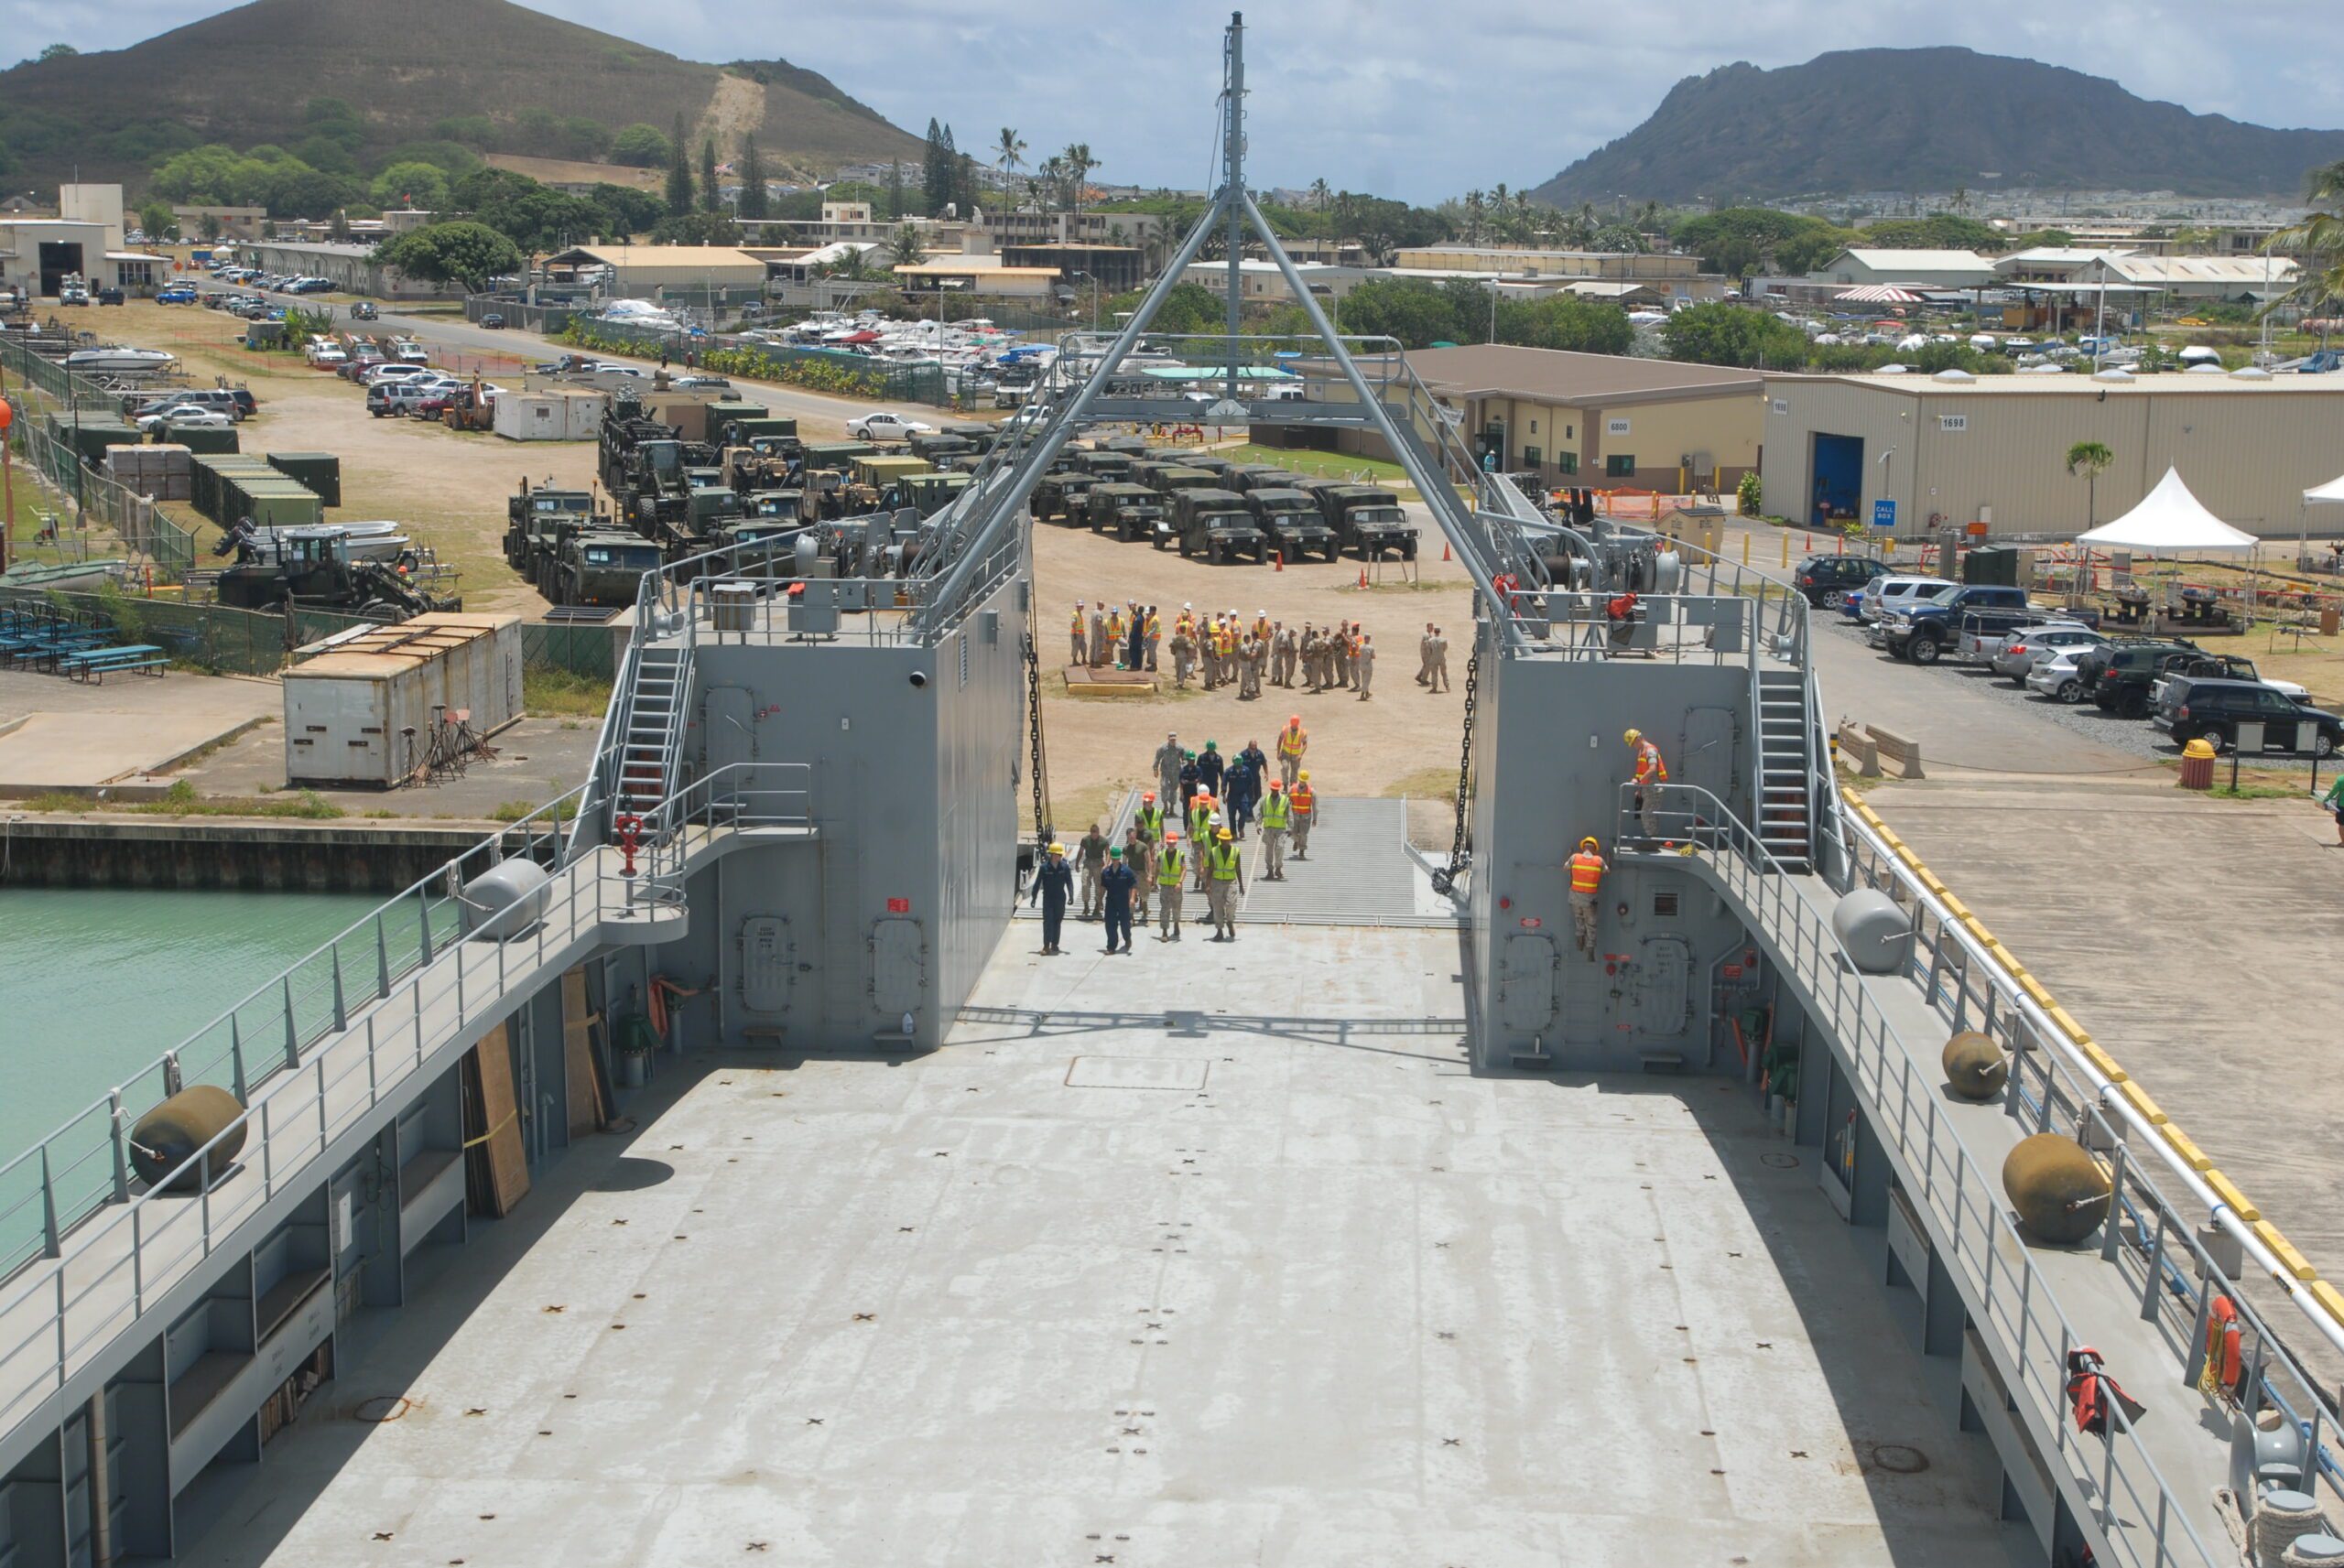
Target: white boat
x,y
119,358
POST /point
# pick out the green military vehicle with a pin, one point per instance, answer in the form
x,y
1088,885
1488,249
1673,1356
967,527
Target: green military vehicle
x,y
1217,524
941,449
1251,477
533,519
978,433
1367,518
1132,511
837,456
1168,480
599,565
1062,495
926,493
1103,466
714,502
1294,524
1219,467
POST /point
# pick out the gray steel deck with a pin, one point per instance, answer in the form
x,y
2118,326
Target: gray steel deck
x,y
1258,1285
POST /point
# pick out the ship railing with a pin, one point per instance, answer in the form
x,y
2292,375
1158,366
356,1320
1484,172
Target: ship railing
x,y
2166,1193
1571,624
419,967
2141,1514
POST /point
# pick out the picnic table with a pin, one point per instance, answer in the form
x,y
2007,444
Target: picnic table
x,y
92,665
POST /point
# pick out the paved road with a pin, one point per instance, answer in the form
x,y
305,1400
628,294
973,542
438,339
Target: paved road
x,y
465,338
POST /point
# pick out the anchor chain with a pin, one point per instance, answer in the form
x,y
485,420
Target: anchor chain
x,y
1460,848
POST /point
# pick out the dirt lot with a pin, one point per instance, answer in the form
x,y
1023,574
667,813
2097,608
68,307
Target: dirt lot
x,y
1400,742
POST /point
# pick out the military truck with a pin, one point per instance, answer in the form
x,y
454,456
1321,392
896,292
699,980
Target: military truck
x,y
764,462
926,493
642,465
785,506
1220,468
600,565
1217,524
534,515
1294,524
1103,466
941,449
1132,511
1368,519
1251,477
1168,480
1062,495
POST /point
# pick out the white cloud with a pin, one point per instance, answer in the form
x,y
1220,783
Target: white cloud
x,y
1401,98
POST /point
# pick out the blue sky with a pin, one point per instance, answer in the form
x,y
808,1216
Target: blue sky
x,y
1409,99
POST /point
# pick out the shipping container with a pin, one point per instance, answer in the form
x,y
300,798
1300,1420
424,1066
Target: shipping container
x,y
320,471
363,711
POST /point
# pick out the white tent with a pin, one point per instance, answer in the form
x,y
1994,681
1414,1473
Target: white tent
x,y
2169,518
2332,491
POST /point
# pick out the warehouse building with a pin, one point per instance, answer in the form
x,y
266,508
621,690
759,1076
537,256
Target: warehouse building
x,y
1992,451
1911,269
724,273
1607,421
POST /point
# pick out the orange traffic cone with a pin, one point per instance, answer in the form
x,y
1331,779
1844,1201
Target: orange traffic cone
x,y
1444,550
1278,560
1362,576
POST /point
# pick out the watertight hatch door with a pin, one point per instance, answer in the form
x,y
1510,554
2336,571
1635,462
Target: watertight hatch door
x,y
768,964
1526,983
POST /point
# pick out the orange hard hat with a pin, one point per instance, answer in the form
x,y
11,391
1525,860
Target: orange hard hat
x,y
1147,794
1276,785
1171,835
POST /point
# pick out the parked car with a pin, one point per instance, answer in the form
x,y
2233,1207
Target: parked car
x,y
1888,593
394,369
109,296
2200,708
1827,579
2119,677
1927,627
2022,651
884,425
185,413
177,294
364,310
493,321
2058,676
72,294
2221,666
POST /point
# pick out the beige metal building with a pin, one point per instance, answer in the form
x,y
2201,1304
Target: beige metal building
x,y
1606,421
1913,269
646,271
1994,450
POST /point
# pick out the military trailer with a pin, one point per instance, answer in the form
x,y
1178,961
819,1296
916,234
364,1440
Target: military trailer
x,y
1132,511
1367,518
835,457
1103,466
926,493
1168,480
1294,524
942,449
1218,525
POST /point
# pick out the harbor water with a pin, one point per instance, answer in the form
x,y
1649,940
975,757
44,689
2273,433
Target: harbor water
x,y
97,983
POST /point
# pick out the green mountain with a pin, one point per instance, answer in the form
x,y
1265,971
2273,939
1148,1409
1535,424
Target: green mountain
x,y
531,82
1929,119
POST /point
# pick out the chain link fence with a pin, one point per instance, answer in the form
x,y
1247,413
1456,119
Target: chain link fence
x,y
146,531
816,370
591,651
208,636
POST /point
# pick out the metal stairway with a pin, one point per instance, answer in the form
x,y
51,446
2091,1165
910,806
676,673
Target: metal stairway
x,y
1785,771
651,740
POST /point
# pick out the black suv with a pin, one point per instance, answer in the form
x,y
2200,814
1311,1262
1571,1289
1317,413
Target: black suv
x,y
2199,707
1826,580
2119,677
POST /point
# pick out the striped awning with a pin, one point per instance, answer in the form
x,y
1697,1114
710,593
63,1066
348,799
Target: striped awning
x,y
1878,294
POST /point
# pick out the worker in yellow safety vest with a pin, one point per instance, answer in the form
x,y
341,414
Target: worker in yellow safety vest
x,y
1115,636
1080,622
1292,743
1150,819
1304,804
1226,886
1586,879
1170,865
1152,636
1651,774
1278,821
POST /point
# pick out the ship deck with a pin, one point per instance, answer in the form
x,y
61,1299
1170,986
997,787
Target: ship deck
x,y
1208,1254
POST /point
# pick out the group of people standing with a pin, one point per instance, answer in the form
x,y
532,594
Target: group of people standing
x,y
1191,829
1124,636
1227,650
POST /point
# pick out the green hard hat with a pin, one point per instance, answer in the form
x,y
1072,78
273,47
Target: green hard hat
x,y
1116,853
1213,745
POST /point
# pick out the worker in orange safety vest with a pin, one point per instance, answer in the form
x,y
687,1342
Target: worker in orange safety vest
x,y
1292,743
1651,774
1587,880
1304,804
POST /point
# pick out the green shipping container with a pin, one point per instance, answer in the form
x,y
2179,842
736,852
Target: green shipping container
x,y
205,437
740,432
320,471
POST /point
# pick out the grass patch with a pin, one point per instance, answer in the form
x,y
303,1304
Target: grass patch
x,y
1425,783
2259,792
515,810
182,800
564,692
1324,465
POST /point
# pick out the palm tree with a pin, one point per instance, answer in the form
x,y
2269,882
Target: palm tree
x,y
1476,208
904,248
1050,181
1010,153
2089,458
2318,239
1321,193
1079,164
